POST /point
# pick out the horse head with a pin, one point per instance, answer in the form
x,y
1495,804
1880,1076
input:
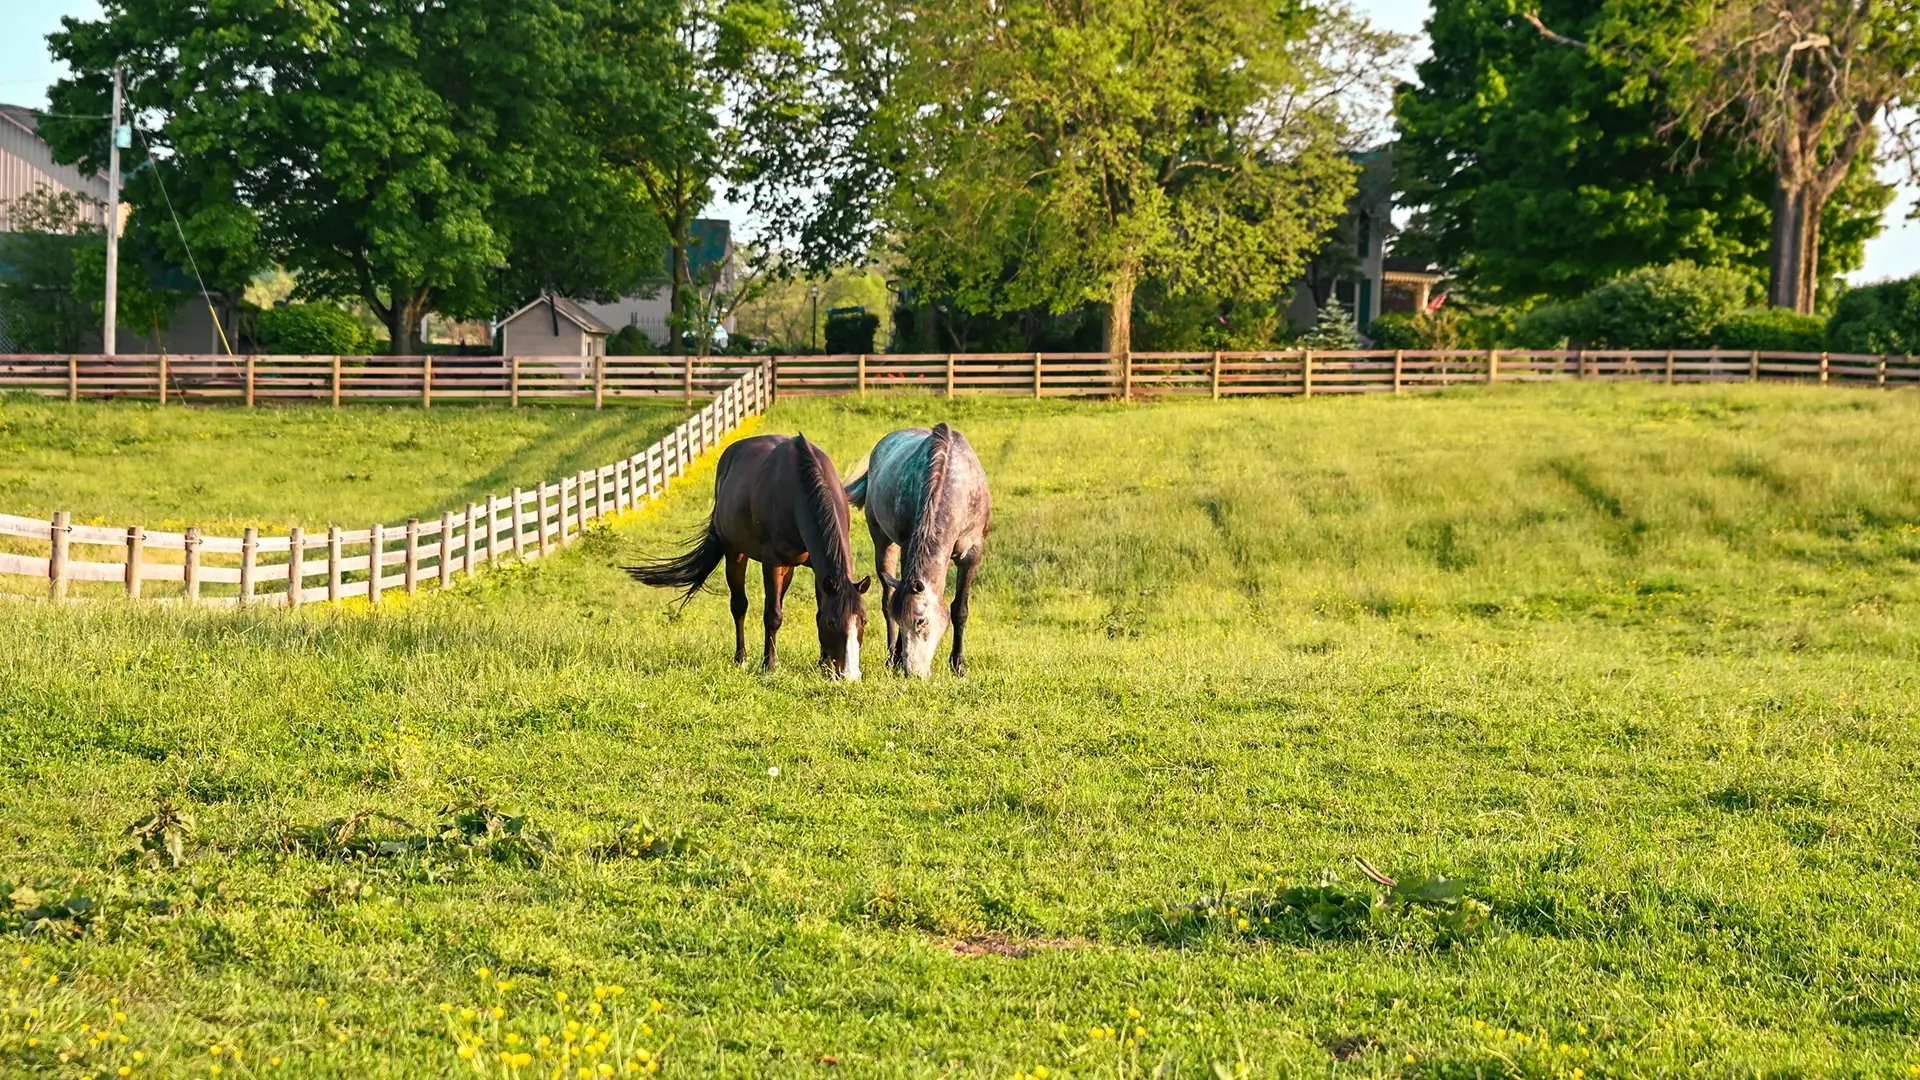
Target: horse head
x,y
922,615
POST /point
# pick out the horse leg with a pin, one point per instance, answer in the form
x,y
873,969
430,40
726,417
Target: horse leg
x,y
776,579
886,557
961,592
737,586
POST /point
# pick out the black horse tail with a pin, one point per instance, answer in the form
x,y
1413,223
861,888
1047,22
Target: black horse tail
x,y
688,570
857,491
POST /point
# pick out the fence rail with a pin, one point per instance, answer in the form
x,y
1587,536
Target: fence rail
x,y
517,380
379,559
528,524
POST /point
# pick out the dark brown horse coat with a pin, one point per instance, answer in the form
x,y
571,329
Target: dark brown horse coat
x,y
777,501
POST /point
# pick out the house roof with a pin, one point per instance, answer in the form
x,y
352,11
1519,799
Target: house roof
x,y
568,310
21,118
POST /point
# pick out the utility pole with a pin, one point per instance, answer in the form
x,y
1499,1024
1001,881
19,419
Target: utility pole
x,y
108,333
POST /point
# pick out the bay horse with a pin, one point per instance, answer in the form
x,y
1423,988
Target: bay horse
x,y
778,501
925,494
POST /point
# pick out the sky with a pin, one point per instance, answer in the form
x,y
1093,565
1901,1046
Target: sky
x,y
26,70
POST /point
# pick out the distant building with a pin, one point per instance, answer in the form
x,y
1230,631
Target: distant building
x,y
1359,268
27,165
711,252
554,326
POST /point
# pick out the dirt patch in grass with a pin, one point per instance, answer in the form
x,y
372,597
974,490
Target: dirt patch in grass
x,y
1002,945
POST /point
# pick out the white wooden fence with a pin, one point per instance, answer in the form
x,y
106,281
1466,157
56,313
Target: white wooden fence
x,y
373,561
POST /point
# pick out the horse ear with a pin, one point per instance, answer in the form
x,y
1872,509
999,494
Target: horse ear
x,y
864,582
889,580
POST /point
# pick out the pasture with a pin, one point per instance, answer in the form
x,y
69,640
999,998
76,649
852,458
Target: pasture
x,y
1635,666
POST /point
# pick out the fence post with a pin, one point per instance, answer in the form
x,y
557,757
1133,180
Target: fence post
x,y
333,564
1580,372
249,552
1753,366
861,378
1126,375
190,560
413,556
136,559
1883,372
1669,367
1823,369
687,380
949,374
336,382
562,500
1399,362
426,381
250,361
599,381
1214,376
296,564
513,383
1493,365
57,558
73,379
622,469
376,555
540,517
444,571
467,549
163,378
1306,372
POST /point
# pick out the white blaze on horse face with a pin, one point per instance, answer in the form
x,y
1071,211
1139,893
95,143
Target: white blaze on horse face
x,y
850,668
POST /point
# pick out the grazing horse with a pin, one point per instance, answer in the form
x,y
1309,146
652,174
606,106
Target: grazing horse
x,y
778,501
924,492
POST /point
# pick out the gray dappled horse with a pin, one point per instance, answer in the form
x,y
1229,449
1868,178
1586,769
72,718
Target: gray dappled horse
x,y
777,501
925,495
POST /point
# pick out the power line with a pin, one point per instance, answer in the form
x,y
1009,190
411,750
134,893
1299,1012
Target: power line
x,y
192,263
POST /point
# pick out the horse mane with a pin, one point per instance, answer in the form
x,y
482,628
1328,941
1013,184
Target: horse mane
x,y
939,456
837,560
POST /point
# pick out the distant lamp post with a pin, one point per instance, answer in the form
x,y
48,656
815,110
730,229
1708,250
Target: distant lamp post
x,y
814,333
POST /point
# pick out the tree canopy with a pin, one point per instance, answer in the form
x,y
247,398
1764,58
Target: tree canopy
x,y
1541,170
415,157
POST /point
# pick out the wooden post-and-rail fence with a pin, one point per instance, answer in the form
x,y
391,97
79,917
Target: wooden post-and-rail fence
x,y
600,381
299,568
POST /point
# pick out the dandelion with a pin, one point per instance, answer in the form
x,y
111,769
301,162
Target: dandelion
x,y
214,1070
446,1007
1243,924
1409,1059
1133,1013
484,972
773,771
139,1056
126,1070
560,996
216,1049
466,1053
504,985
119,1016
497,1012
274,1060
321,1002
1139,1032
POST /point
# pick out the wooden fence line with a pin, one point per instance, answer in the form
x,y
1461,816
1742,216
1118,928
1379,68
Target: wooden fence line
x,y
362,562
518,380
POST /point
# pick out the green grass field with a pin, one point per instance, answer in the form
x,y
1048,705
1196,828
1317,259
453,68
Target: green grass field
x,y
1634,667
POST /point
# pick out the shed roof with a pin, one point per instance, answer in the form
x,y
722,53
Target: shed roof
x,y
568,310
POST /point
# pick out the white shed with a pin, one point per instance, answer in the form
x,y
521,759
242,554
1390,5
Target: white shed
x,y
553,326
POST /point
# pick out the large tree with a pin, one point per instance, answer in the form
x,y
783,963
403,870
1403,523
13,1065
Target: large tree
x,y
1806,84
676,84
1537,171
384,151
1064,151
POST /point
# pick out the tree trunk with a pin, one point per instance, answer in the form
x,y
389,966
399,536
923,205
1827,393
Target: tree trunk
x,y
1794,263
1120,314
678,273
403,320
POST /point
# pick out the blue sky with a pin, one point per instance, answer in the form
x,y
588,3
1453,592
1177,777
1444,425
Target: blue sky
x,y
26,70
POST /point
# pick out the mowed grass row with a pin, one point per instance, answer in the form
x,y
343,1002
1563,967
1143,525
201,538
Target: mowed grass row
x,y
1636,665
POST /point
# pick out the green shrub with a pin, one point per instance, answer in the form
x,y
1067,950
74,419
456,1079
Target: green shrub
x,y
1447,328
630,341
1660,307
851,333
314,330
1883,318
1773,330
1551,326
